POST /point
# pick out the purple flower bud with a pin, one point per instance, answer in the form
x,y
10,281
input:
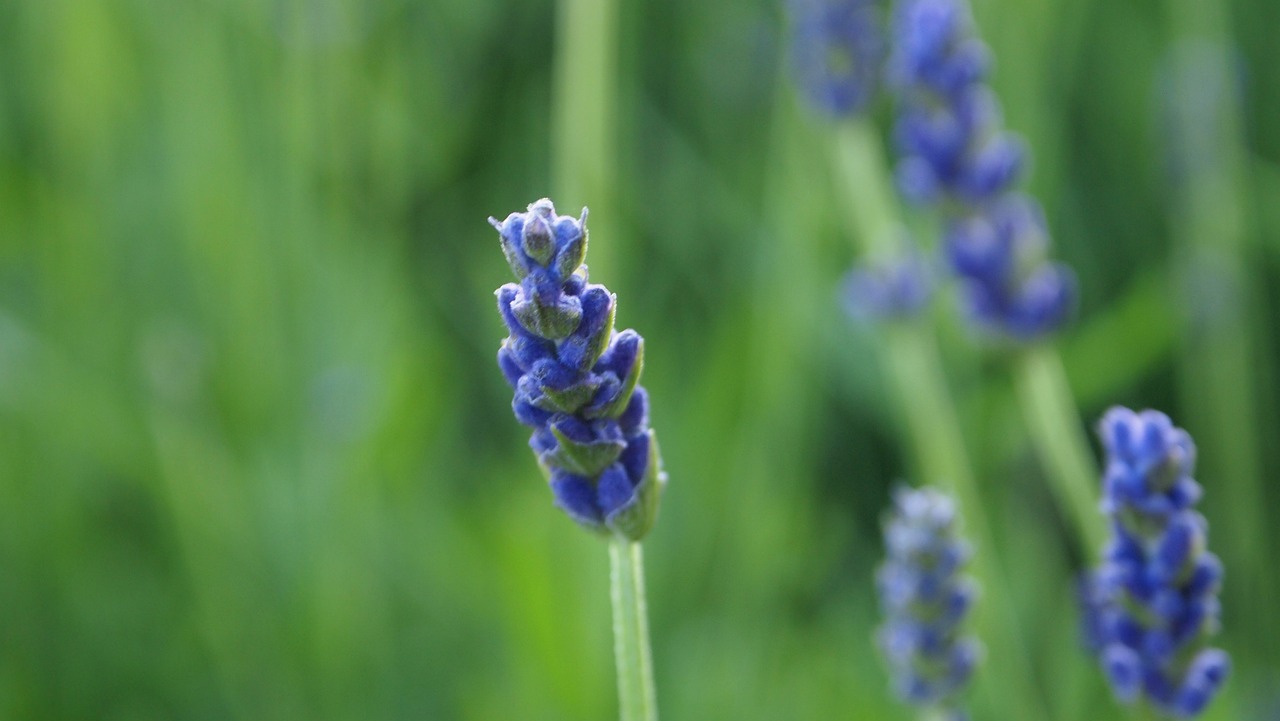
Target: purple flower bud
x,y
1124,671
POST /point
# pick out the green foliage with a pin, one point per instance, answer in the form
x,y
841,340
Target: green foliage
x,y
256,461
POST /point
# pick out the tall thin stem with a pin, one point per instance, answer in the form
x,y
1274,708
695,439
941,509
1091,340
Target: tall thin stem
x,y
584,133
1060,441
911,358
1213,224
636,697
583,147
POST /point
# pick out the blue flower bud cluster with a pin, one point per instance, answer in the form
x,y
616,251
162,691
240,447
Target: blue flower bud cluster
x,y
925,599
837,52
576,379
1153,602
1007,285
894,288
956,154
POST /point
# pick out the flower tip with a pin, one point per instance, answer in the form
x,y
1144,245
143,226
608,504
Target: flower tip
x,y
1115,422
543,207
536,238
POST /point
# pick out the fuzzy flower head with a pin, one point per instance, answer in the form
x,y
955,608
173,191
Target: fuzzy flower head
x,y
1153,603
837,51
576,379
925,599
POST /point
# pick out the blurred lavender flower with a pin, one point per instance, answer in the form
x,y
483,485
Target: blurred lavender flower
x,y
837,51
1009,286
925,600
1151,605
894,288
948,128
956,155
576,378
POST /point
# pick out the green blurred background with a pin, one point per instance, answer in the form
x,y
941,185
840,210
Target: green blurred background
x,y
257,461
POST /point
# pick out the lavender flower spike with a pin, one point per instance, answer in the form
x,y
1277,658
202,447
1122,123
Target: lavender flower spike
x,y
575,378
1153,603
837,50
948,127
955,154
925,600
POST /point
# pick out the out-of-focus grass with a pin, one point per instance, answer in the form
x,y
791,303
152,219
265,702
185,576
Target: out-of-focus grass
x,y
255,458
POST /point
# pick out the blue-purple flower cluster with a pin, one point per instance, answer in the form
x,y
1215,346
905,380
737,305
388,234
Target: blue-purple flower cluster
x,y
956,154
925,599
1153,603
837,51
575,378
894,288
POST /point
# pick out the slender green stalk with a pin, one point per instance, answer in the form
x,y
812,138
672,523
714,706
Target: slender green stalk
x,y
911,358
636,698
930,417
1213,227
584,132
583,140
873,209
1054,423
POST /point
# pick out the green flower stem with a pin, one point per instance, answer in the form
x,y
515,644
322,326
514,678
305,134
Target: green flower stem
x,y
912,359
1224,327
584,117
583,140
1054,423
873,212
636,698
931,420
